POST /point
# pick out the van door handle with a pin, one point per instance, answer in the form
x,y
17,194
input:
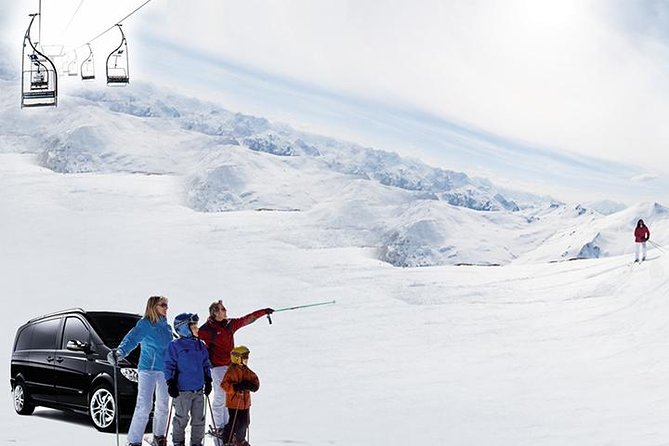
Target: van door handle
x,y
59,359
50,358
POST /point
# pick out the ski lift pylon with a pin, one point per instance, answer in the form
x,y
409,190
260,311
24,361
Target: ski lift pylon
x,y
117,63
88,66
39,78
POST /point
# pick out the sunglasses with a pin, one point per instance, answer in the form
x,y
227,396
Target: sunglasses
x,y
163,304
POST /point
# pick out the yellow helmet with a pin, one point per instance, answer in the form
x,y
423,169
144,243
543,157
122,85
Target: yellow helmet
x,y
239,355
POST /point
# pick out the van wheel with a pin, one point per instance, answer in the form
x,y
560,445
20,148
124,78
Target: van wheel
x,y
22,405
102,409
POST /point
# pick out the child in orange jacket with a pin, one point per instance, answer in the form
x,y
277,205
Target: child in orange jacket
x,y
239,381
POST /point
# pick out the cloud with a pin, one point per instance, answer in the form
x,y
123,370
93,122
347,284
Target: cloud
x,y
583,77
563,74
644,178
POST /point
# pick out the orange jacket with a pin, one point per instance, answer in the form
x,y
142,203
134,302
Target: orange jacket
x,y
240,399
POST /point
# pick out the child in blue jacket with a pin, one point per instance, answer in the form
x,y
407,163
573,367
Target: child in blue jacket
x,y
188,375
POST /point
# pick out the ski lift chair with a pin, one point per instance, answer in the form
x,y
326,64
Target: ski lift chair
x,y
88,66
39,79
117,64
72,67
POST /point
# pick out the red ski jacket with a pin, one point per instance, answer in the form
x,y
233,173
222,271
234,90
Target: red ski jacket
x,y
219,336
641,234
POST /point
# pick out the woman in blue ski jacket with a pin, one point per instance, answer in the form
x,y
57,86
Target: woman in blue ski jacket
x,y
154,334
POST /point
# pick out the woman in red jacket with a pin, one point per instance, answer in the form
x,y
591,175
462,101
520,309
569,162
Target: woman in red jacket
x,y
218,334
641,236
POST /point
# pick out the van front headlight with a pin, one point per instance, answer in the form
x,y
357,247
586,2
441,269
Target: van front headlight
x,y
130,374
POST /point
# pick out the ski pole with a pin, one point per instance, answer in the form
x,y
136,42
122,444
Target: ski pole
x,y
169,418
656,245
248,427
116,402
305,306
213,421
298,307
232,428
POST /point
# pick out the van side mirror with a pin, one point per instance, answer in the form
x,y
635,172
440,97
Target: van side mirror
x,y
77,346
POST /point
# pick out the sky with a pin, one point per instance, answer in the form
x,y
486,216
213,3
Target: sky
x,y
546,79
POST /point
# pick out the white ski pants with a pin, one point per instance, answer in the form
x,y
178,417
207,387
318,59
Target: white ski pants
x,y
640,253
218,411
149,382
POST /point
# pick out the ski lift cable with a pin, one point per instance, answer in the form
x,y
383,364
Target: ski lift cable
x,y
112,26
71,19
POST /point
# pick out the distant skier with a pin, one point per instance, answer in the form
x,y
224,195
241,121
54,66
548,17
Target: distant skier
x,y
641,236
218,334
239,381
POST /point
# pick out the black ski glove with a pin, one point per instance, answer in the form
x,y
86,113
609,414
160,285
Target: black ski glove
x,y
268,311
241,386
172,388
207,385
248,385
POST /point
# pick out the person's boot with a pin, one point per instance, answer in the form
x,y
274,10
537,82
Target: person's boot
x,y
159,440
236,441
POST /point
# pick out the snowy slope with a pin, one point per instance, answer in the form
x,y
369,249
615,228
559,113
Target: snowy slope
x,y
591,235
118,195
524,354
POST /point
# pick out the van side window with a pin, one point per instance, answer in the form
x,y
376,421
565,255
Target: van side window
x,y
23,340
74,330
45,334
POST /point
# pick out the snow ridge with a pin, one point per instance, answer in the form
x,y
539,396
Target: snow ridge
x,y
412,213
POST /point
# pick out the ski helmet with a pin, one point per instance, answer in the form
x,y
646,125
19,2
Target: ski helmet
x,y
182,324
239,355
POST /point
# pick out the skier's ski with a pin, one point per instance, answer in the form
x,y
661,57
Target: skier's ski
x,y
218,439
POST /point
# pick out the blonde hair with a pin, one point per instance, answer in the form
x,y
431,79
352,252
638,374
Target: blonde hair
x,y
150,313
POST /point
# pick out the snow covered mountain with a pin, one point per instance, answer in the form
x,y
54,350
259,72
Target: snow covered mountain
x,y
412,214
123,194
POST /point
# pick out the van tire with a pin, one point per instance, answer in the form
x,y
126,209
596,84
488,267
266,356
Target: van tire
x,y
102,408
21,398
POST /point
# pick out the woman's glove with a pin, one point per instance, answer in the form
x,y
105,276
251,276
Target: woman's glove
x,y
114,356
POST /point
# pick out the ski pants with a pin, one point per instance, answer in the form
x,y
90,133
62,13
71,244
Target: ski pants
x,y
219,413
640,250
188,403
149,382
238,424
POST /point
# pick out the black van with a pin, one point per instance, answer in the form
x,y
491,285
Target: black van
x,y
59,360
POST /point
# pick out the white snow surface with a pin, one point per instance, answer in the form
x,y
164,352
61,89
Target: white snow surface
x,y
104,203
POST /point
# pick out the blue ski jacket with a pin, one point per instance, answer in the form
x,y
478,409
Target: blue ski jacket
x,y
154,339
187,359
